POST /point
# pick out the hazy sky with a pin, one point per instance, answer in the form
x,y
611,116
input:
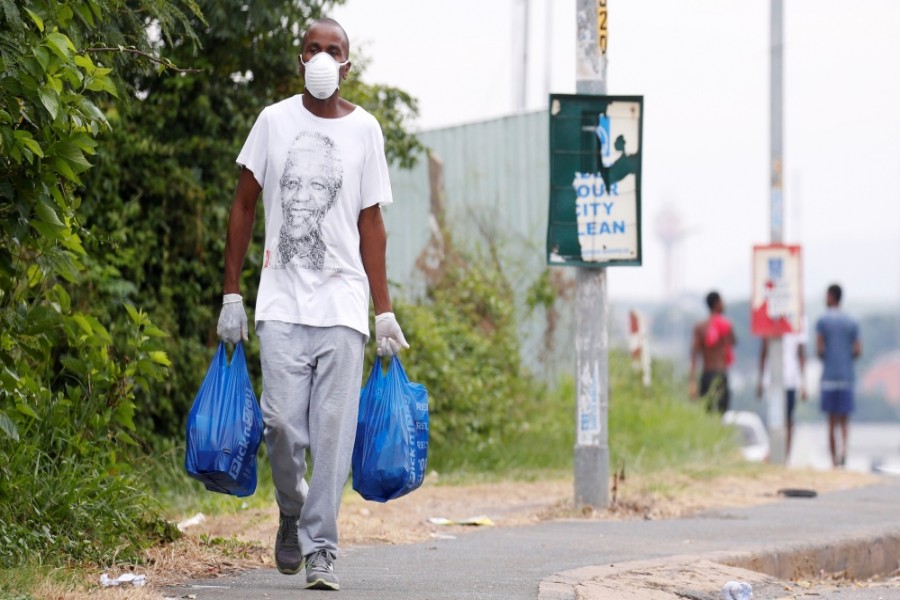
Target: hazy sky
x,y
703,69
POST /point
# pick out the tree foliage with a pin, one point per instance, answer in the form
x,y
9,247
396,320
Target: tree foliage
x,y
119,123
465,349
159,201
68,377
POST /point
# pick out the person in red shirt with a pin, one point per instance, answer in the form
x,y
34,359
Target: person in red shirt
x,y
713,342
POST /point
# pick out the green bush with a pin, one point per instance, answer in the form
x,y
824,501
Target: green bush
x,y
652,430
489,414
83,374
159,200
67,491
657,428
68,377
464,347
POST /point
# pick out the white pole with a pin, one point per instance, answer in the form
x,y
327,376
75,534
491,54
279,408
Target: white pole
x,y
777,407
521,42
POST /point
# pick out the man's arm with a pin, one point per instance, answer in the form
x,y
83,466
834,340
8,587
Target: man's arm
x,y
372,248
695,350
820,345
240,229
801,360
389,338
857,349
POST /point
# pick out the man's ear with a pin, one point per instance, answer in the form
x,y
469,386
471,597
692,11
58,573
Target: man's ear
x,y
300,64
345,70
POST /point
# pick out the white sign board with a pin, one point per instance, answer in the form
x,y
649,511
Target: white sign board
x,y
777,293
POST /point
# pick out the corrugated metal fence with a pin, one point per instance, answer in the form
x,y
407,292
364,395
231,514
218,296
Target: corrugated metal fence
x,y
496,192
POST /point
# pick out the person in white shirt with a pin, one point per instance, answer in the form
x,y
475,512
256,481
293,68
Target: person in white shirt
x,y
319,162
793,371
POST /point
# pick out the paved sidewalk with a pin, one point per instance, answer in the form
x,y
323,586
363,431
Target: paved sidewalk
x,y
852,530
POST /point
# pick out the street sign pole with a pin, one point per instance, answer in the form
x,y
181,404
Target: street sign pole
x,y
776,405
591,304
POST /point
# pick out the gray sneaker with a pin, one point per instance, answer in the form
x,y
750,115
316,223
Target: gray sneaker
x,y
288,557
320,572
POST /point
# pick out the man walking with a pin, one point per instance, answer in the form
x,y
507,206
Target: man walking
x,y
713,341
837,344
793,371
319,161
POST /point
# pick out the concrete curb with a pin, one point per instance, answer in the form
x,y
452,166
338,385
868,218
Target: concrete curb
x,y
858,558
684,576
702,575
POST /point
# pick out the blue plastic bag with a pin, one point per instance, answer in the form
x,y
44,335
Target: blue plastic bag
x,y
224,427
390,454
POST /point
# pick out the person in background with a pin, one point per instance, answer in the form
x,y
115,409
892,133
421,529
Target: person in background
x,y
838,345
319,162
713,342
793,371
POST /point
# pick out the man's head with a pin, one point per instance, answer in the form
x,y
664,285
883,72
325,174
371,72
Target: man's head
x,y
310,182
714,302
325,35
833,295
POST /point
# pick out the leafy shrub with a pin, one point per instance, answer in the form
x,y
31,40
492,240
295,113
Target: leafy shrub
x,y
464,347
160,198
489,414
67,381
655,428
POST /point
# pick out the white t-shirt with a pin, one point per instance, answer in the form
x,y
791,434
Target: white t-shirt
x,y
790,370
317,175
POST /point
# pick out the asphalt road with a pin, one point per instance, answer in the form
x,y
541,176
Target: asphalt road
x,y
510,563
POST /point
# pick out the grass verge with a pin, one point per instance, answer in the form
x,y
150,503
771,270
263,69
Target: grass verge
x,y
651,429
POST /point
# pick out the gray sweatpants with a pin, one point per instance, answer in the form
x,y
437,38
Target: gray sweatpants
x,y
310,400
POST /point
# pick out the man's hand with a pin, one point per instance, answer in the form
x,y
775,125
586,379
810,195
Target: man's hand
x,y
692,388
388,336
233,319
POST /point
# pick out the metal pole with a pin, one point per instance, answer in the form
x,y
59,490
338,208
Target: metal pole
x,y
522,42
591,305
548,46
777,407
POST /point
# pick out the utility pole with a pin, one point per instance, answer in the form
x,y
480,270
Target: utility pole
x,y
591,304
777,409
522,42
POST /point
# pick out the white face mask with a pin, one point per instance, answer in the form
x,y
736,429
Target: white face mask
x,y
322,75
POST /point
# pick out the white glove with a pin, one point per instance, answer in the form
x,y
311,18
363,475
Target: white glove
x,y
388,337
233,319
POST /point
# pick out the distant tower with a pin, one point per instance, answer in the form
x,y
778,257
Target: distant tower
x,y
671,231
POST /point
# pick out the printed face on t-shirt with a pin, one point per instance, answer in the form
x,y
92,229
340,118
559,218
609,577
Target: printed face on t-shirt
x,y
309,184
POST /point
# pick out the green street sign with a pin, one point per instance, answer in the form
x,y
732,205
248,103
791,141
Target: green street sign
x,y
595,180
